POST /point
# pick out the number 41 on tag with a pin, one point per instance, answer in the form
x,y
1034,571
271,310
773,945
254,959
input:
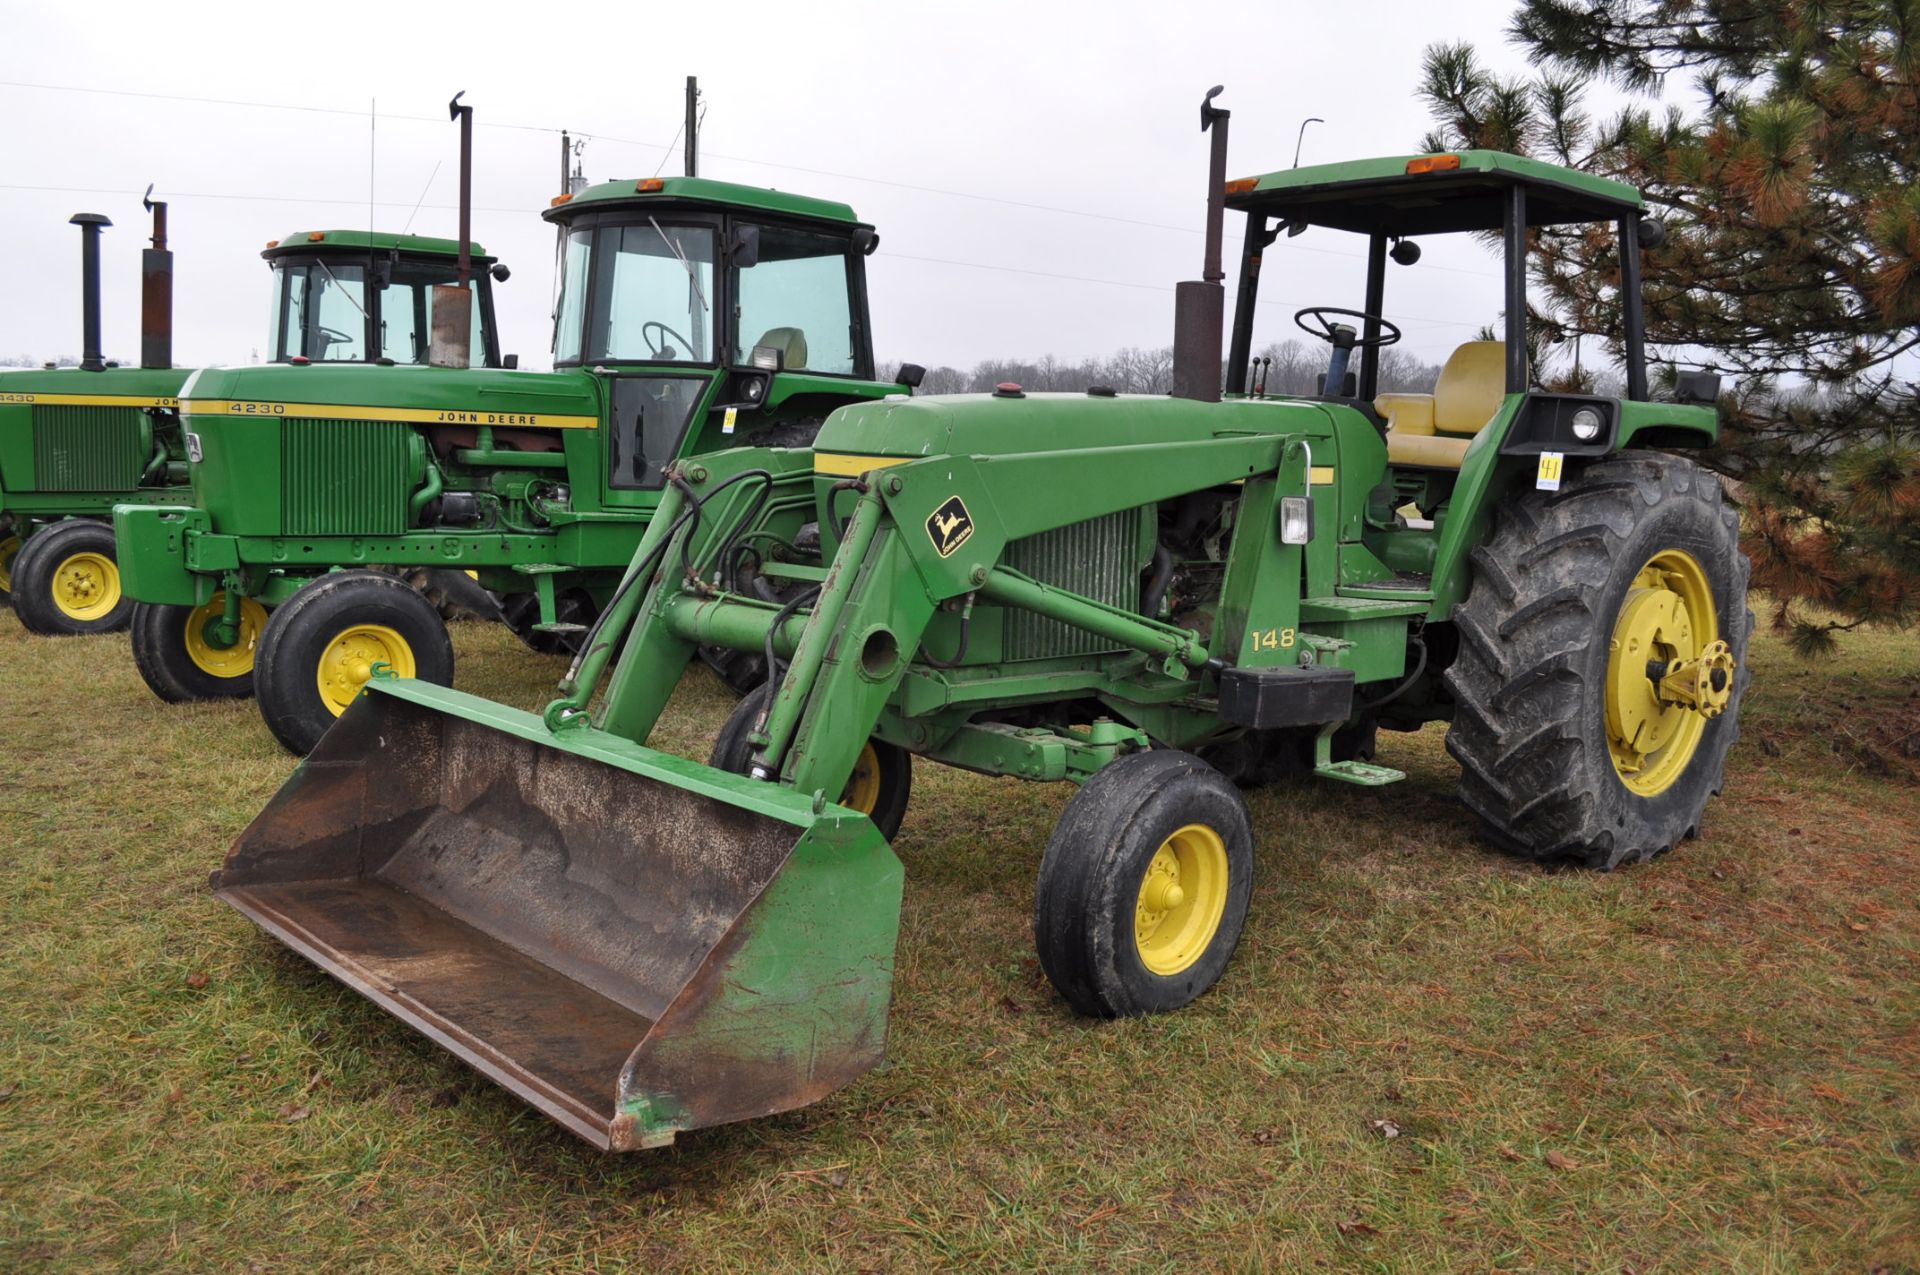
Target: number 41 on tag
x,y
1547,478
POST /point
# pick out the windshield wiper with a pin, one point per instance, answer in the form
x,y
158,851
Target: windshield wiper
x,y
686,265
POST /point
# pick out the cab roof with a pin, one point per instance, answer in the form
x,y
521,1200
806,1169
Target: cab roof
x,y
377,241
1432,194
701,190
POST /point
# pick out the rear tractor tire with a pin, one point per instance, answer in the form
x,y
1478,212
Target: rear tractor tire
x,y
1573,743
179,656
321,645
66,581
882,779
1144,887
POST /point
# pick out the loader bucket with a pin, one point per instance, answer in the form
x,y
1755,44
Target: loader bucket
x,y
635,944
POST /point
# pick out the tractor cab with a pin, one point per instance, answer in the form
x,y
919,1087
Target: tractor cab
x,y
354,296
731,312
1485,408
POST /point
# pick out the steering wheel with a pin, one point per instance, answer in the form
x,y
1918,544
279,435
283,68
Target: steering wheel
x,y
661,349
1389,332
334,336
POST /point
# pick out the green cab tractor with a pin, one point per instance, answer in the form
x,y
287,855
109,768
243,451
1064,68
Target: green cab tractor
x,y
693,315
76,442
1159,599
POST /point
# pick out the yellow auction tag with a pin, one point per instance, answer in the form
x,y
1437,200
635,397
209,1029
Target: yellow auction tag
x,y
726,426
1547,478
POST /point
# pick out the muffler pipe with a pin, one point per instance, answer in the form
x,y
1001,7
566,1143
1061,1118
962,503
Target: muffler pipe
x,y
91,224
451,341
1200,305
156,291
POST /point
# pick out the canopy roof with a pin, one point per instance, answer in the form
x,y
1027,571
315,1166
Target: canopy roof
x,y
1380,196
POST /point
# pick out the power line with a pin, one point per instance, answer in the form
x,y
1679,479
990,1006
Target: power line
x,y
1004,202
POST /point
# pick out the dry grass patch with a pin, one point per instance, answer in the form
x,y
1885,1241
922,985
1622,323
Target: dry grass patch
x,y
1425,1056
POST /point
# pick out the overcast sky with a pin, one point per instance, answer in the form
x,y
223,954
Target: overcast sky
x,y
1088,108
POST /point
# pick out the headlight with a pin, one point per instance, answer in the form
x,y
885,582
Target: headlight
x,y
1296,520
1587,424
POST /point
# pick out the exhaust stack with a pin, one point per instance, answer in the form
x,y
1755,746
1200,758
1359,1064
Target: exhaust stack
x,y
1199,306
91,224
156,291
451,343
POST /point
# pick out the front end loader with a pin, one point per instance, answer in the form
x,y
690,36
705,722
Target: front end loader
x,y
1159,599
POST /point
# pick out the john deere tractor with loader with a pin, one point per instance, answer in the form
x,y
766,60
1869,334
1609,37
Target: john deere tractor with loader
x,y
77,441
1155,598
693,315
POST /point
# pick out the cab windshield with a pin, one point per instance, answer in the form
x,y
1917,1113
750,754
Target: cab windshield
x,y
642,293
323,310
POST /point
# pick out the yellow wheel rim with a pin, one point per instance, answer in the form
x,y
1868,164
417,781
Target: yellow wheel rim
x,y
1182,897
1668,615
348,660
86,586
224,661
9,546
863,786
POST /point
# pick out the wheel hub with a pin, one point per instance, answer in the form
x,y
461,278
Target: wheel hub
x,y
1667,672
86,586
203,638
348,662
1182,897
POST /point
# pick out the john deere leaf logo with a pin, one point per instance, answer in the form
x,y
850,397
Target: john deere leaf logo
x,y
950,526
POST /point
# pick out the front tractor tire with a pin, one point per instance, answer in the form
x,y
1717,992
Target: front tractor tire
x,y
1574,743
321,645
1143,889
879,788
66,581
178,653
9,549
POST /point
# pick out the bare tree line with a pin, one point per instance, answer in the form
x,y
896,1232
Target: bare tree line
x,y
1294,367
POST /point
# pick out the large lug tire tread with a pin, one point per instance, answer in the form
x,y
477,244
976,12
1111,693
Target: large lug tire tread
x,y
1090,875
158,632
33,569
1528,685
732,753
300,629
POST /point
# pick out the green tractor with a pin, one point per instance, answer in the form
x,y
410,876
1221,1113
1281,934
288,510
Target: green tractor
x,y
1156,598
693,315
76,442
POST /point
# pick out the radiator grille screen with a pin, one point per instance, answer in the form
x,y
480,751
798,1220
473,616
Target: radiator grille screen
x,y
344,478
1098,559
78,448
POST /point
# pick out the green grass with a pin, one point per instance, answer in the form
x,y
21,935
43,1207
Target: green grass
x,y
1704,1063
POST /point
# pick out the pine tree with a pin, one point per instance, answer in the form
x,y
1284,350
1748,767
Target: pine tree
x,y
1792,261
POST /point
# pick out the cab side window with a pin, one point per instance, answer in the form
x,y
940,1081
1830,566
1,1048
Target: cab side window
x,y
798,298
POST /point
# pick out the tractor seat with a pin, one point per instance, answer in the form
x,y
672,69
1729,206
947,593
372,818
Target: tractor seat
x,y
792,344
1433,430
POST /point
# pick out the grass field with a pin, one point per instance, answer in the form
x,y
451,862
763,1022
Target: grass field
x,y
1709,1062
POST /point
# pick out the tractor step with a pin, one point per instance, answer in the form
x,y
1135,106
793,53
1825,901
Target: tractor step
x,y
563,627
1366,774
1401,587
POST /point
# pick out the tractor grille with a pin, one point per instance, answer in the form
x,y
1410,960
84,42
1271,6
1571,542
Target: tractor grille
x,y
1099,559
344,478
87,448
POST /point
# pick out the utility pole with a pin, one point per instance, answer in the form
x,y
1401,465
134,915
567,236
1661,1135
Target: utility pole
x,y
692,129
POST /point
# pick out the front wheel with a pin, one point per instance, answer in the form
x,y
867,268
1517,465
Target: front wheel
x,y
9,548
66,581
1144,886
882,779
1603,658
320,648
179,652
